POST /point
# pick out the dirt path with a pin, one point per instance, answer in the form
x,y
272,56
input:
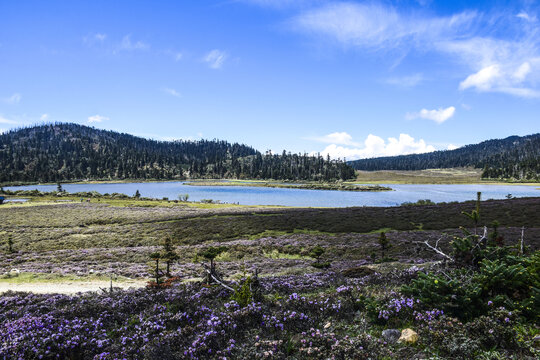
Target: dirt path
x,y
69,287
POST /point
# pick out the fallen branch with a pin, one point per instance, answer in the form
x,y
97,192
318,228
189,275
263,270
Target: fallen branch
x,y
437,250
215,278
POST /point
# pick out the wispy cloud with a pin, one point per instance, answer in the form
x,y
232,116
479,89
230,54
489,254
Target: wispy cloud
x,y
499,61
172,92
95,39
44,117
525,16
375,146
438,115
511,67
3,120
97,119
280,4
178,56
128,45
215,58
13,99
406,81
100,37
378,26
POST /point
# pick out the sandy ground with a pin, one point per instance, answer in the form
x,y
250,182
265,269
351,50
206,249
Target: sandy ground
x,y
71,287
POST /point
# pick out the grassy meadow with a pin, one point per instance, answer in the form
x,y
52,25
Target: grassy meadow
x,y
313,283
116,236
428,176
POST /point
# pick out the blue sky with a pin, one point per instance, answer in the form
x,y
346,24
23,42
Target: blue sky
x,y
353,79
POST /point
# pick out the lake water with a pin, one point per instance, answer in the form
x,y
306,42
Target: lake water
x,y
295,197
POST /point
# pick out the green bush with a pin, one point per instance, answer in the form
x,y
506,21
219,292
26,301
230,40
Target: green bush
x,y
509,281
243,294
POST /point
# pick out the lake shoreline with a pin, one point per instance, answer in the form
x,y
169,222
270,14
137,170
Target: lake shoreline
x,y
263,194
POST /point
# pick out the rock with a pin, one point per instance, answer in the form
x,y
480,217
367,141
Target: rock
x,y
14,272
358,272
408,336
391,336
327,325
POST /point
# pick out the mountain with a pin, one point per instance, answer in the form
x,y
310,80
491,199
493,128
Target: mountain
x,y
67,152
512,158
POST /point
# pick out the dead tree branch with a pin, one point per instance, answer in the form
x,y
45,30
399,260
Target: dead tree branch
x,y
437,250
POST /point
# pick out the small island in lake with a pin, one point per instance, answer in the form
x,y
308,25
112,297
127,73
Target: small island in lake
x,y
307,186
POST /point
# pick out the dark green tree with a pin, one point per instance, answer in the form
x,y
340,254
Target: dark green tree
x,y
137,194
156,256
317,252
474,215
384,243
211,253
169,254
10,244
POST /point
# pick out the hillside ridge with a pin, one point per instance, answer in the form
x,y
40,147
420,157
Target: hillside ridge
x,y
67,152
514,157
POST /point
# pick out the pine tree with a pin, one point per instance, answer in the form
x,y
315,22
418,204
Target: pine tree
x,y
168,254
384,244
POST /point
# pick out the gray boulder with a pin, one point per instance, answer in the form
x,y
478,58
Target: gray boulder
x,y
391,336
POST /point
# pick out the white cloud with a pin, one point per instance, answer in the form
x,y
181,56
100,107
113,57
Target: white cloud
x,y
97,118
483,79
13,99
375,146
452,147
438,115
507,79
504,66
215,58
2,131
128,45
340,138
44,117
3,120
406,81
172,92
178,56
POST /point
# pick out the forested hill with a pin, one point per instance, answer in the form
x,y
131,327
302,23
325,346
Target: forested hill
x,y
60,152
512,158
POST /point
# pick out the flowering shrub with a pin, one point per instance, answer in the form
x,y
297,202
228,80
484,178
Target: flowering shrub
x,y
455,339
397,310
180,321
310,317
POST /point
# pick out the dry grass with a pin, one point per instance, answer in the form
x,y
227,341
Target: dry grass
x,y
430,176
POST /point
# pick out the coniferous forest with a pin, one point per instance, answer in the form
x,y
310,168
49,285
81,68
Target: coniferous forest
x,y
514,157
62,152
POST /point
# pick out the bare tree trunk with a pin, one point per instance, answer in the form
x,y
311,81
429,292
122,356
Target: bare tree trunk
x,y
521,243
157,271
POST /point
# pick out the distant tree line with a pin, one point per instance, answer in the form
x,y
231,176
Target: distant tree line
x,y
511,158
63,152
